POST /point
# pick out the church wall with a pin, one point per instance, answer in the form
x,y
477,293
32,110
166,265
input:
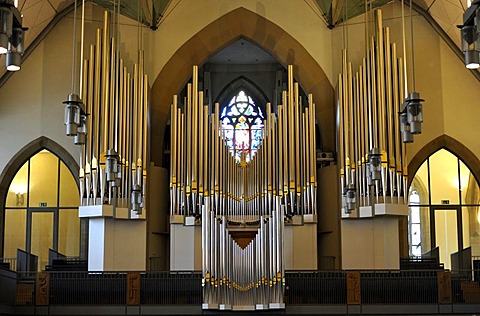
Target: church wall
x,y
450,91
31,100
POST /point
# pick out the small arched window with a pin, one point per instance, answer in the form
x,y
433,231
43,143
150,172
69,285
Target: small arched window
x,y
242,125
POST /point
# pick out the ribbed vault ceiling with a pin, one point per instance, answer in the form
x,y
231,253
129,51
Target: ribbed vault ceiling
x,y
37,14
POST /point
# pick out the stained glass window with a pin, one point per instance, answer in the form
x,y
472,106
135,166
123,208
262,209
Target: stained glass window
x,y
242,124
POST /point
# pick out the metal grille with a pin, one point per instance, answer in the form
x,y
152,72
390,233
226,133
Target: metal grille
x,y
171,288
399,287
83,288
316,287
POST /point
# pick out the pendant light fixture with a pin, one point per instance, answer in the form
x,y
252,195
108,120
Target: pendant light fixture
x,y
11,34
411,115
470,34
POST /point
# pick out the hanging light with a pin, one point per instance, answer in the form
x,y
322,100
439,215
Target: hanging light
x,y
11,34
411,113
470,35
74,109
471,46
75,114
350,198
375,164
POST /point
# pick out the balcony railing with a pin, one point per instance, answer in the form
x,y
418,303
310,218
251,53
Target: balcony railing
x,y
390,287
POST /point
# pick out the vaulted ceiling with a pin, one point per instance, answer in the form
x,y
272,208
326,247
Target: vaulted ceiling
x,y
38,14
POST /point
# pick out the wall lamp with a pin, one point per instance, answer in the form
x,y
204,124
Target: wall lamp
x,y
470,35
411,117
11,34
20,198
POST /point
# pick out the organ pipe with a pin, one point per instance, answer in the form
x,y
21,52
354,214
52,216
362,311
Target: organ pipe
x,y
260,191
368,132
116,146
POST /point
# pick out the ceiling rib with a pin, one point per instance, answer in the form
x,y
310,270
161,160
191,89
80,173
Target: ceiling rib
x,y
424,13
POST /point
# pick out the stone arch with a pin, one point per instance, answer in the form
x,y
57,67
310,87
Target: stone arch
x,y
453,146
242,82
240,23
17,161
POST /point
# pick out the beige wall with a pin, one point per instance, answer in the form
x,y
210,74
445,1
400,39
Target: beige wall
x,y
450,90
190,16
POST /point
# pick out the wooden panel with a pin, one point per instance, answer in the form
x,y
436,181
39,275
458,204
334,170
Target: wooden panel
x,y
353,288
42,288
25,294
444,287
133,288
471,292
243,237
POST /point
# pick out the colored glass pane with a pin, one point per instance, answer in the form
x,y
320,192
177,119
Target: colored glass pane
x,y
242,124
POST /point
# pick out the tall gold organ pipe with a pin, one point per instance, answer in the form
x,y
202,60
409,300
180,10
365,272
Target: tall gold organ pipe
x,y
280,150
139,147
89,103
389,106
105,82
285,143
381,77
173,142
97,93
208,147
291,131
135,115
145,129
201,145
368,105
194,104
269,144
341,132
296,109
121,111
374,92
181,161
189,140
112,104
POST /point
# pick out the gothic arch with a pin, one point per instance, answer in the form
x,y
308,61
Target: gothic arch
x,y
240,23
453,146
17,161
251,88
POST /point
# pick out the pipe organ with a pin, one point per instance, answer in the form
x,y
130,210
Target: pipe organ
x,y
113,166
372,156
260,193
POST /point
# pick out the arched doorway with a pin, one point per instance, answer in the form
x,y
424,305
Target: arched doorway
x,y
444,205
40,203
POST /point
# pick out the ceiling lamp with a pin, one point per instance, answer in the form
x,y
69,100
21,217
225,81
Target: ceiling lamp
x,y
470,35
11,34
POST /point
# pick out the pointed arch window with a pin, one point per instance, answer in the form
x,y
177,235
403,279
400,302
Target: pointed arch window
x,y
41,210
444,219
242,125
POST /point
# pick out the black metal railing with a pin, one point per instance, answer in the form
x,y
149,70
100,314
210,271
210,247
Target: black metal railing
x,y
83,288
171,288
301,288
315,287
399,287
